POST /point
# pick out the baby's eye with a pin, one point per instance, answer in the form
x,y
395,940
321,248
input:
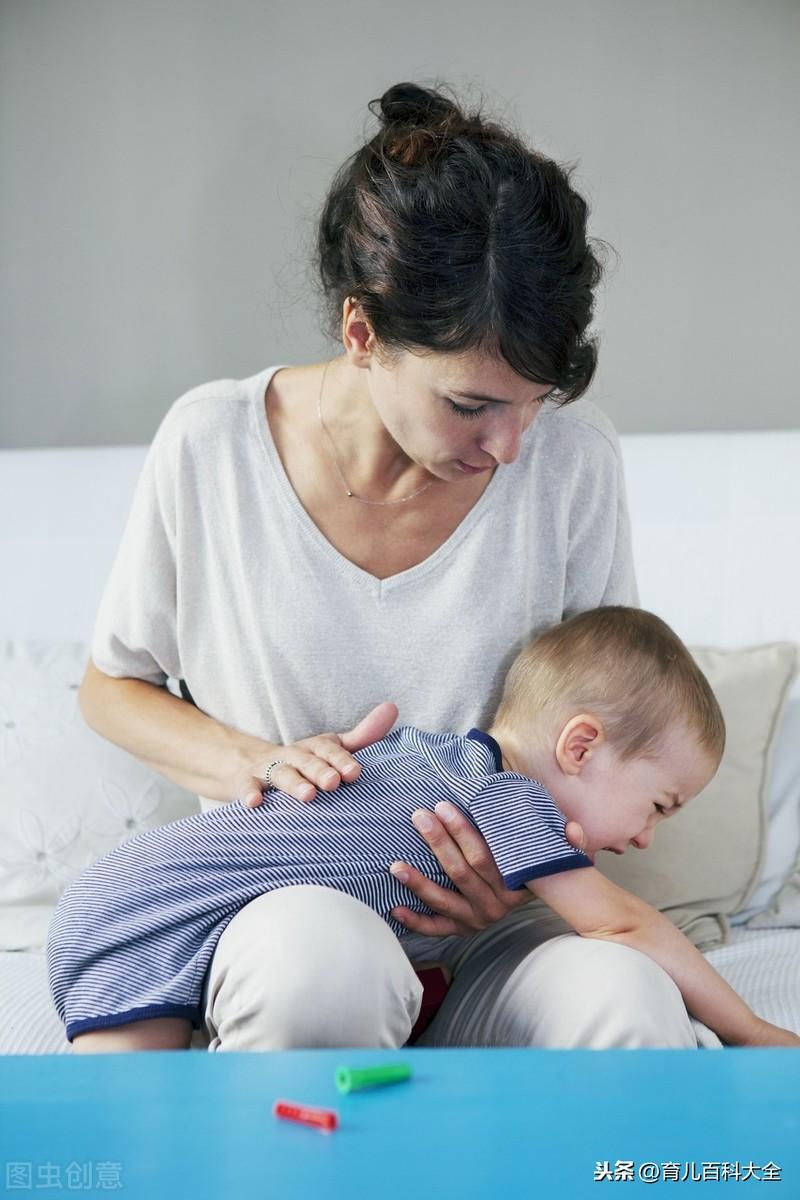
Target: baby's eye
x,y
660,809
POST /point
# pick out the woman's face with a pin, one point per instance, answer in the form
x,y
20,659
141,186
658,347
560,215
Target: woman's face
x,y
448,412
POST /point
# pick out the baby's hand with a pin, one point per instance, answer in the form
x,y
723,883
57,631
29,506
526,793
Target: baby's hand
x,y
766,1034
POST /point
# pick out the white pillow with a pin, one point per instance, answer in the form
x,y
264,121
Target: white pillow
x,y
67,795
782,852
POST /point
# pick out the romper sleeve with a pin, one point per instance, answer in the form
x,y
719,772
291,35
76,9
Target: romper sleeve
x,y
524,829
600,566
135,631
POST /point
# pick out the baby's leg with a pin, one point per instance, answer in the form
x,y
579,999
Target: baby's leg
x,y
159,1033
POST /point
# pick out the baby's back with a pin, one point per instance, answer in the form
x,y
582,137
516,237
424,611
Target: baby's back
x,y
208,865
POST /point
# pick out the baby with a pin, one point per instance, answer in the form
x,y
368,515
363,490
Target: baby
x,y
605,721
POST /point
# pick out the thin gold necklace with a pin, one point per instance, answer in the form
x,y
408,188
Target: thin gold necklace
x,y
348,491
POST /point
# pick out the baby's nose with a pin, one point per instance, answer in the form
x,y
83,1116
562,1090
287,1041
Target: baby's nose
x,y
643,839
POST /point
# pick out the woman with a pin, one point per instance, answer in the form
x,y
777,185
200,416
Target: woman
x,y
396,521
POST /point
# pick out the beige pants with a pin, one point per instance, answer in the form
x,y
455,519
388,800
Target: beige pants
x,y
313,967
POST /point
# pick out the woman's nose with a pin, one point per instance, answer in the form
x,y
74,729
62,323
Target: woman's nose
x,y
503,441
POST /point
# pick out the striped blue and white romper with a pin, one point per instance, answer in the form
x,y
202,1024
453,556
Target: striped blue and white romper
x,y
133,937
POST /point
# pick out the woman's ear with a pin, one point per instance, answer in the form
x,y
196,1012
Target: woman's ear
x,y
579,739
357,333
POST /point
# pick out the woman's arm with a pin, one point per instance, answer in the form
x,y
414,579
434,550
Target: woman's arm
x,y
210,758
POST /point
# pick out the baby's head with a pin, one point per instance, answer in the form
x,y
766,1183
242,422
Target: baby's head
x,y
611,713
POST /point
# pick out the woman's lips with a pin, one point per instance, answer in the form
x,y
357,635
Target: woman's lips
x,y
471,470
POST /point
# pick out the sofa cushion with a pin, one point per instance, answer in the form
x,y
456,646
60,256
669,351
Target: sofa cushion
x,y
704,863
67,795
775,904
29,1023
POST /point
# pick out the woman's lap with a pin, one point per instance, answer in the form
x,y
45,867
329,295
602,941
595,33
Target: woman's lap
x,y
311,966
308,967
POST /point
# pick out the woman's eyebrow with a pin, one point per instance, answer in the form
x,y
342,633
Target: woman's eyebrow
x,y
487,399
478,396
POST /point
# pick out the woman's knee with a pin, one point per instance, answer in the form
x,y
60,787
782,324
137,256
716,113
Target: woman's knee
x,y
584,993
309,966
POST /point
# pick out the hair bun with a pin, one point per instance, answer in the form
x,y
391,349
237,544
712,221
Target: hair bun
x,y
413,106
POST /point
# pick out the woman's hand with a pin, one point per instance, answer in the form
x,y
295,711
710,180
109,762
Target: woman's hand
x,y
482,897
324,760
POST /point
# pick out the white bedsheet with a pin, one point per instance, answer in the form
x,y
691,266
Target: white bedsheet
x,y
762,965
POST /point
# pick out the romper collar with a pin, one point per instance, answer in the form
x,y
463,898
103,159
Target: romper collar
x,y
478,735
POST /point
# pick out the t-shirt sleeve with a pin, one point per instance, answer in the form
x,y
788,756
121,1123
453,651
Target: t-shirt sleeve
x,y
524,829
135,631
600,568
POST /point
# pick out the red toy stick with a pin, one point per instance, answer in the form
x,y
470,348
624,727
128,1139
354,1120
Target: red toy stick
x,y
320,1118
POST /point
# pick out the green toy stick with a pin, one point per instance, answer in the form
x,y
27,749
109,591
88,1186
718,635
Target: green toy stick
x,y
353,1079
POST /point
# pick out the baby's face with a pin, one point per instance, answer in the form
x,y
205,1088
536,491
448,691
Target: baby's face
x,y
621,803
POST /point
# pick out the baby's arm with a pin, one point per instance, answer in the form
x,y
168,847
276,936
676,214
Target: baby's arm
x,y
595,907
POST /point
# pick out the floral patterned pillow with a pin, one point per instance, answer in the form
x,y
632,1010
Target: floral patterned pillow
x,y
67,795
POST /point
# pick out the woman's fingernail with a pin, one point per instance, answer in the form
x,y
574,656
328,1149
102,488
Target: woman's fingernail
x,y
422,820
399,872
444,810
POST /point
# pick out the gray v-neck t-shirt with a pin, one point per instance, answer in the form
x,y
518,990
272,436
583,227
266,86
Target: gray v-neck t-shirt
x,y
223,584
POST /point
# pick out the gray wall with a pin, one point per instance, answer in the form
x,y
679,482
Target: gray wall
x,y
163,162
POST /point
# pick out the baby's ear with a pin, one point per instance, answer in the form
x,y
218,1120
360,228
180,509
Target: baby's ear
x,y
578,740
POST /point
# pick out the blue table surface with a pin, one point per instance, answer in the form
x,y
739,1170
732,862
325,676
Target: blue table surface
x,y
469,1123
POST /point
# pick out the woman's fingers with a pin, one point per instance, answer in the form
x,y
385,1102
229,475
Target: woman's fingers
x,y
316,762
482,897
460,848
428,925
452,912
324,761
284,777
375,725
299,776
292,780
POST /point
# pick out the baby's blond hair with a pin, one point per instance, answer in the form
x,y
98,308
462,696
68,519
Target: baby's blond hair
x,y
625,666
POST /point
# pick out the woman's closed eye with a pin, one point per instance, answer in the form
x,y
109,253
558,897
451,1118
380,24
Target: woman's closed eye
x,y
466,412
475,412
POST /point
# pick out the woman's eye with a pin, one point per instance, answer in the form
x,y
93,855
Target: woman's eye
x,y
466,412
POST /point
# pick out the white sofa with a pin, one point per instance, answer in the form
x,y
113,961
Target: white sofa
x,y
714,519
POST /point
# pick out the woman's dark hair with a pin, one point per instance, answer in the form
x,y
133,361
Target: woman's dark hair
x,y
453,235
